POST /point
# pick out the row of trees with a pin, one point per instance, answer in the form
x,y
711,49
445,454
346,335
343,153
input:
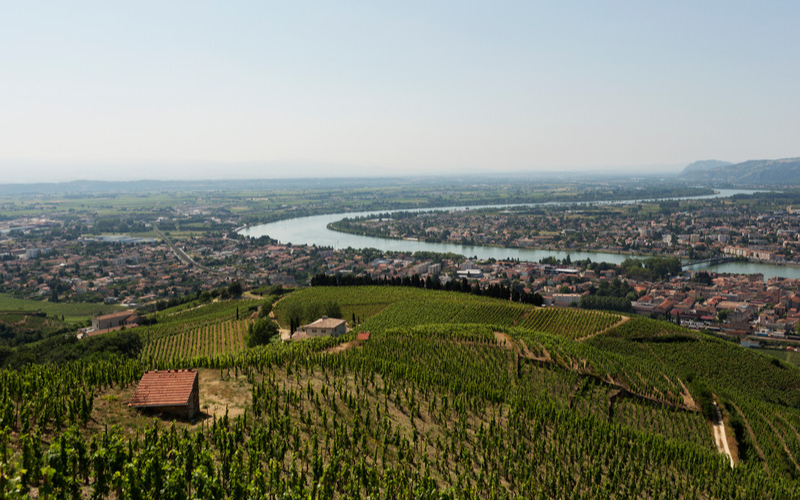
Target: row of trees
x,y
433,283
652,268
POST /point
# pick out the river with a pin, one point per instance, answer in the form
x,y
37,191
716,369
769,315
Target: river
x,y
314,231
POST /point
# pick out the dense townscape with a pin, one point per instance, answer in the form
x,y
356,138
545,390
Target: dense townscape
x,y
761,228
120,259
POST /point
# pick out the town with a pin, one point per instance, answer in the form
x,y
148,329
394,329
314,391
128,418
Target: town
x,y
759,229
63,259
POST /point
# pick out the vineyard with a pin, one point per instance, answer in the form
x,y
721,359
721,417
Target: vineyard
x,y
571,323
453,396
206,341
179,320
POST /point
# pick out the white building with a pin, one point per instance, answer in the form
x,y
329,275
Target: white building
x,y
326,327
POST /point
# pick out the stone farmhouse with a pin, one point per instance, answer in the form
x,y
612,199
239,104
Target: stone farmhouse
x,y
326,327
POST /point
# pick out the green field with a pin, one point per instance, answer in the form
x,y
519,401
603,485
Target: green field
x,y
72,312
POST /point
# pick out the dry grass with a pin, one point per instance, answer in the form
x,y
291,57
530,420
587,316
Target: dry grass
x,y
219,394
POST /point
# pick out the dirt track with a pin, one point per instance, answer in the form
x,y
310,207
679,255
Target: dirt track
x,y
720,439
622,321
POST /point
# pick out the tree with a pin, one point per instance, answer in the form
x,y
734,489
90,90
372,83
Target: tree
x,y
294,312
261,332
266,308
235,289
332,309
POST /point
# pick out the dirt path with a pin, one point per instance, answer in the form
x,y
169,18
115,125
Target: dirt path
x,y
505,341
720,439
285,333
688,400
622,321
527,353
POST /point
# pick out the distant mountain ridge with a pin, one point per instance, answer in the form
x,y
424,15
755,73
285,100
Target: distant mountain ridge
x,y
703,165
784,171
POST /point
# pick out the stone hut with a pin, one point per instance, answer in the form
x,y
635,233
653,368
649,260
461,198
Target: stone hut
x,y
176,392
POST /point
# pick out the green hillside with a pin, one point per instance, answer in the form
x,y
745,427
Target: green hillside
x,y
781,172
453,396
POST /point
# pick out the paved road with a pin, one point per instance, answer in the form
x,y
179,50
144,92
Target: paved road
x,y
181,255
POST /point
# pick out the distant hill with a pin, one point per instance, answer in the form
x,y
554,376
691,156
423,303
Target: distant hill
x,y
784,171
703,165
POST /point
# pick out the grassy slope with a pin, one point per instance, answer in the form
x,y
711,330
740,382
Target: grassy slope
x,y
72,312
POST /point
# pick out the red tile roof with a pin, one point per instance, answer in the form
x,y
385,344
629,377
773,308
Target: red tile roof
x,y
362,336
164,388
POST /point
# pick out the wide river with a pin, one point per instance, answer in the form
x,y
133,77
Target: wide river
x,y
314,231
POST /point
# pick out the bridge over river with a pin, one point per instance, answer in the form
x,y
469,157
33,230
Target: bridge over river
x,y
712,261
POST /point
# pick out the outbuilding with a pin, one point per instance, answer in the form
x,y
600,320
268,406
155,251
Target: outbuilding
x,y
176,392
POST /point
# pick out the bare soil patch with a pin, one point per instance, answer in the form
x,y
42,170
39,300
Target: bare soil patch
x,y
688,400
219,394
505,341
527,353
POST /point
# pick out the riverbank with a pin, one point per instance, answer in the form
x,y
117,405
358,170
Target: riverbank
x,y
313,231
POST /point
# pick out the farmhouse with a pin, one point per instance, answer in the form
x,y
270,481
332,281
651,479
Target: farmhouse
x,y
176,392
326,326
114,321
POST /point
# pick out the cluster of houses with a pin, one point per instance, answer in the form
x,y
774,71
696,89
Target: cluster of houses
x,y
736,305
770,236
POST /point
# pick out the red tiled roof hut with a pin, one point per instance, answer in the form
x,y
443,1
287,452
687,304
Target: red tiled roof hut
x,y
175,392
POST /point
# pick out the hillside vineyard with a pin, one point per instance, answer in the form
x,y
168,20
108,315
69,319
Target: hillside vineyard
x,y
452,396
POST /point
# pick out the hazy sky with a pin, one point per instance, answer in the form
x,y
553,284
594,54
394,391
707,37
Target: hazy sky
x,y
173,89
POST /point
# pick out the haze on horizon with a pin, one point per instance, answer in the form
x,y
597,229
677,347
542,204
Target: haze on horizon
x,y
177,90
